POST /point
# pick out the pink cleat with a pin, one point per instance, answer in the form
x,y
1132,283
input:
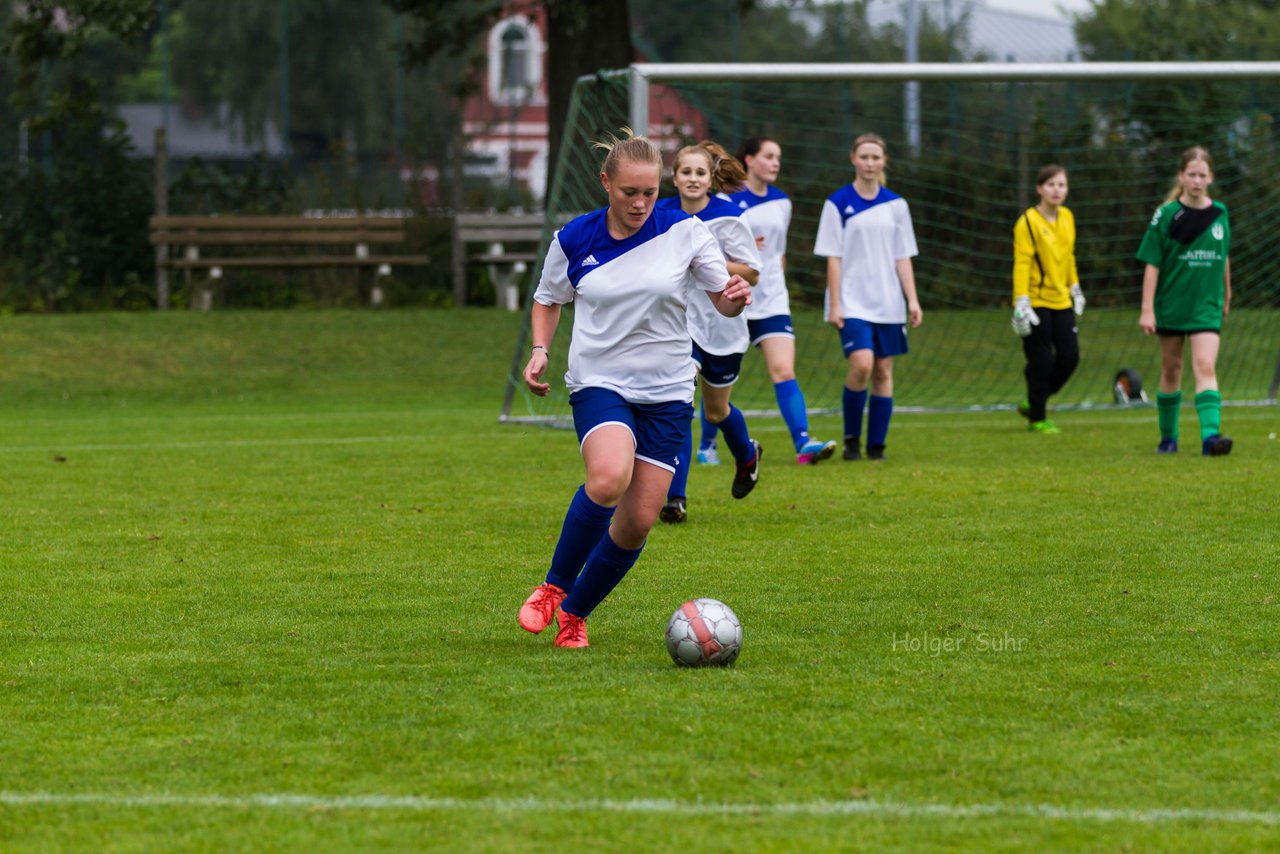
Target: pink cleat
x,y
538,609
573,630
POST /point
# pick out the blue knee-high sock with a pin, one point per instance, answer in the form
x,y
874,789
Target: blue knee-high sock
x,y
709,430
878,414
854,403
680,480
585,523
605,567
736,436
791,404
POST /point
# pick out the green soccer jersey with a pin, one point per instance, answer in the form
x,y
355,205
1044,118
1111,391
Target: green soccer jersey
x,y
1190,247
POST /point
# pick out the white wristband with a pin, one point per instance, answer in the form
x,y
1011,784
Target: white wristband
x,y
540,347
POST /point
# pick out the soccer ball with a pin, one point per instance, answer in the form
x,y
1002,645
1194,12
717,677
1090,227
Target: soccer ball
x,y
704,632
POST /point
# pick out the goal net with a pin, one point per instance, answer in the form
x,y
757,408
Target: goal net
x,y
967,168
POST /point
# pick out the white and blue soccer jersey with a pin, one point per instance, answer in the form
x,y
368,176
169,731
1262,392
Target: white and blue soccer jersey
x,y
629,296
769,217
869,236
713,332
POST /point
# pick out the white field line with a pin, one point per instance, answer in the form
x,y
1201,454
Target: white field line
x,y
414,803
211,443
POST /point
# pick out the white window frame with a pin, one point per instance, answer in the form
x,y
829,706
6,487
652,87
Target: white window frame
x,y
533,96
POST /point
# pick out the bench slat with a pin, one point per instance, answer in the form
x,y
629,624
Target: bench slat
x,y
226,238
298,261
504,258
219,223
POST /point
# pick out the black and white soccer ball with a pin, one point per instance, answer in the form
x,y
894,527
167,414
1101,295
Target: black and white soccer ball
x,y
704,633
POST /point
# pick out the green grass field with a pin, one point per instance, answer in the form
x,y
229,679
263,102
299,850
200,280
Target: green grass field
x,y
260,574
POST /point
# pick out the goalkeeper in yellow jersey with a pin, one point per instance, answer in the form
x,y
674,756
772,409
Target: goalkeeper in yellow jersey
x,y
1046,295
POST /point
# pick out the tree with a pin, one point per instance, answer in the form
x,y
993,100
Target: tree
x,y
583,36
73,224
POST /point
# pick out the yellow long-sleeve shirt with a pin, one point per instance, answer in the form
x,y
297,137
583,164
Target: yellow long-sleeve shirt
x,y
1055,242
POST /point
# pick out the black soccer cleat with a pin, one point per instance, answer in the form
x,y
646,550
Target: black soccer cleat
x,y
851,449
875,452
748,474
674,511
1216,445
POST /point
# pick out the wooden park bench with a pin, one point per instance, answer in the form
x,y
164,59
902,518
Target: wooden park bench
x,y
262,241
512,243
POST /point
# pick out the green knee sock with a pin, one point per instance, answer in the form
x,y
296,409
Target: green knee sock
x,y
1167,413
1209,408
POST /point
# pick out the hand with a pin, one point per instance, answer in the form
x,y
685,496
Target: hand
x,y
915,315
1147,320
737,290
835,315
1077,299
759,241
533,373
1024,317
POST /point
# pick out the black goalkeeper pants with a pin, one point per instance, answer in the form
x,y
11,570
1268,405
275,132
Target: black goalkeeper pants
x,y
1052,355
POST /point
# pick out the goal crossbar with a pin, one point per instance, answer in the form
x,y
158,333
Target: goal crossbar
x,y
644,74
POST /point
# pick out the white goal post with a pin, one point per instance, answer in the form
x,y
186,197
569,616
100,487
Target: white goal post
x,y
644,74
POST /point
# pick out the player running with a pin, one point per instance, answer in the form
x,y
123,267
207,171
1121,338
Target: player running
x,y
865,232
768,211
631,376
718,341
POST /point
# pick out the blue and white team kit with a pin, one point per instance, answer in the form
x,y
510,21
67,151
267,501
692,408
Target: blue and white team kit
x,y
869,236
769,217
719,341
629,357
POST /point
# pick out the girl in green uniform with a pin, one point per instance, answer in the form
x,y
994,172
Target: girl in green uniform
x,y
1186,293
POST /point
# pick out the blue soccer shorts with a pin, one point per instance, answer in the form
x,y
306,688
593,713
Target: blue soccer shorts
x,y
661,431
778,326
883,339
717,371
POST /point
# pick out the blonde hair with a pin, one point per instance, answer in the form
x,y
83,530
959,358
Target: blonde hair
x,y
1192,154
874,139
631,148
726,171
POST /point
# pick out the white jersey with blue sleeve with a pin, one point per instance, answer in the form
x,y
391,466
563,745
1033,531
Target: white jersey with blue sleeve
x,y
769,217
869,236
629,296
711,330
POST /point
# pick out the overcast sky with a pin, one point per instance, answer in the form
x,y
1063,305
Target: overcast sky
x,y
1045,8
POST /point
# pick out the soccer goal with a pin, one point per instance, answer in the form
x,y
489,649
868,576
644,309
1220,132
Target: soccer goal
x,y
965,141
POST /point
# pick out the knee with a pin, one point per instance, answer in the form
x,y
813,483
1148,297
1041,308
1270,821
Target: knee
x,y
716,411
606,484
859,371
782,374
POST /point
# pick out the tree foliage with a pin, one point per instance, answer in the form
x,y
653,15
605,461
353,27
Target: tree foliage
x,y
73,224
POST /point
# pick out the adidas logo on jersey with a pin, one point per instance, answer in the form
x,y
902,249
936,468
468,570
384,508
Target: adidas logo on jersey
x,y
743,204
848,209
590,261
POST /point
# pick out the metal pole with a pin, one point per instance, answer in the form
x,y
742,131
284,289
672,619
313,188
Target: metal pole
x,y
911,90
651,72
639,101
162,209
284,80
163,14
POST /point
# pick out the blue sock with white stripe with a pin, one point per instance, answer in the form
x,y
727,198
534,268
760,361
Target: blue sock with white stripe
x,y
585,523
879,412
736,436
854,403
680,479
607,566
794,412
